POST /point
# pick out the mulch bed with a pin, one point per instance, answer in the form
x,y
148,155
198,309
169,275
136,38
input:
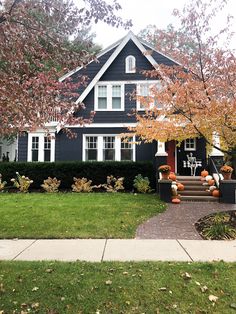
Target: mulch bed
x,y
228,218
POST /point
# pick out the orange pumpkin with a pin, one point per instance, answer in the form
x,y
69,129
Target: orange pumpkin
x,y
175,200
172,176
180,186
204,173
211,182
216,193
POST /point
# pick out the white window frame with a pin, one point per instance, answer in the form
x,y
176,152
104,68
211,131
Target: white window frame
x,y
41,136
186,143
109,86
130,64
100,147
151,84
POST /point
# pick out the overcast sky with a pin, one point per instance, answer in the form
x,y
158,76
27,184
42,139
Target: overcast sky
x,y
144,12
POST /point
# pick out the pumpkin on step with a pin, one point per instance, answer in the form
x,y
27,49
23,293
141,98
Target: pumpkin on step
x,y
216,193
211,182
180,186
172,176
175,200
204,173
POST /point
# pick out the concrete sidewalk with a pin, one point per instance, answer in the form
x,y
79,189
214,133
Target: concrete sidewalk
x,y
98,250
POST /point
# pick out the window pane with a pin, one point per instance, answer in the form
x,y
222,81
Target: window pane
x,y
144,90
102,91
91,148
91,154
47,155
116,91
116,103
47,143
35,155
126,154
102,103
108,148
35,142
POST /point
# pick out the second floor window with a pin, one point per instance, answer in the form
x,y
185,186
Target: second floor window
x,y
109,97
130,64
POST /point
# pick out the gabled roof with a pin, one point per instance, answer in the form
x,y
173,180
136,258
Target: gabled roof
x,y
117,47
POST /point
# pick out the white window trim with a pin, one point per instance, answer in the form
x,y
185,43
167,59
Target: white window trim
x,y
127,68
100,147
41,146
109,96
188,149
151,84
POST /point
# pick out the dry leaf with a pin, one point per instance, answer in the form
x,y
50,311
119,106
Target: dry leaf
x,y
186,275
108,282
35,305
162,289
204,289
35,289
213,298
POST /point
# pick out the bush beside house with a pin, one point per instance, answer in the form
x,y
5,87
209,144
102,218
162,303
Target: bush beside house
x,y
66,171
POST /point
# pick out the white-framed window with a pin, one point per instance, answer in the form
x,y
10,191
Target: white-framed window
x,y
41,147
130,64
190,144
107,147
47,148
109,96
145,94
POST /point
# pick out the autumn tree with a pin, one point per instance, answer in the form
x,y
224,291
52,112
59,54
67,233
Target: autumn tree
x,y
38,43
197,97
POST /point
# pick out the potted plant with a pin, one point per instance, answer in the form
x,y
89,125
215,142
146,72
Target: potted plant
x,y
165,171
226,172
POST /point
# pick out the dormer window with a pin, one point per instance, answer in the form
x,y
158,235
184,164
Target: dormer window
x,y
130,64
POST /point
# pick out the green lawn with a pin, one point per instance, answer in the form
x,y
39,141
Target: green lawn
x,y
54,287
67,215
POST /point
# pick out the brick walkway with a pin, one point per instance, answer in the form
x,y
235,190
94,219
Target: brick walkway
x,y
177,222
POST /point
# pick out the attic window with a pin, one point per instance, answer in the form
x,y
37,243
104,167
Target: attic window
x,y
130,64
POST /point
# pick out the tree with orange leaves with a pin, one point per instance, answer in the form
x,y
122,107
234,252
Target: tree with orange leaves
x,y
197,98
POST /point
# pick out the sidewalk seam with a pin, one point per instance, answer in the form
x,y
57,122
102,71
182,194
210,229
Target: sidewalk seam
x,y
25,249
185,250
103,253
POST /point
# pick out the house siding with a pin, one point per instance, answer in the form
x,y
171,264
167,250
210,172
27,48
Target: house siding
x,y
71,149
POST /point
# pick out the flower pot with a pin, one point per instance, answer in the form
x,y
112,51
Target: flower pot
x,y
227,175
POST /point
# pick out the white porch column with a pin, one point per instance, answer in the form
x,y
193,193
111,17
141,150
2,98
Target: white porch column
x,y
216,142
161,149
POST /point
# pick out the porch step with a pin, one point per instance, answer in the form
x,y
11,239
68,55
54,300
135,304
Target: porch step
x,y
191,182
194,193
196,187
188,178
199,198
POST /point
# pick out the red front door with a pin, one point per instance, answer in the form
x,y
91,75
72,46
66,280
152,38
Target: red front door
x,y
170,149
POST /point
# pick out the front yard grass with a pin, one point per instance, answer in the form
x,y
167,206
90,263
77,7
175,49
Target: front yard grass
x,y
112,287
68,215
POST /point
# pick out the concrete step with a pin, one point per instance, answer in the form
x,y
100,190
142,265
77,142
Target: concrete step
x,y
189,178
196,187
190,182
195,198
194,193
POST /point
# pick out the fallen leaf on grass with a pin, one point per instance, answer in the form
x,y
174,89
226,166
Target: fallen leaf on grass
x,y
35,305
204,289
213,298
108,282
35,289
162,289
186,276
49,270
233,305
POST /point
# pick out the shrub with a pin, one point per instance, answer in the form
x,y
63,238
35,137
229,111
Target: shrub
x,y
65,171
113,184
2,183
51,185
142,184
22,183
82,185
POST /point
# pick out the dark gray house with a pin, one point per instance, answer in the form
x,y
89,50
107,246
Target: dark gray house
x,y
111,81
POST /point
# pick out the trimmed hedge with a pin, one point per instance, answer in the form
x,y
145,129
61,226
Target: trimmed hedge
x,y
65,171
